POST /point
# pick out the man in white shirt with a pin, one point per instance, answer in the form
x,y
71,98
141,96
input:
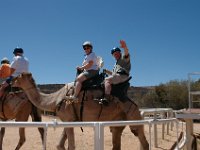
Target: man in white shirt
x,y
19,65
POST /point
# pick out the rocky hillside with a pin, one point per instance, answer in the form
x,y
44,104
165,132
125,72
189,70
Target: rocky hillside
x,y
132,92
50,88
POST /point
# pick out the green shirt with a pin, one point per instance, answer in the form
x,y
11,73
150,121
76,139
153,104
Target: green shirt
x,y
123,65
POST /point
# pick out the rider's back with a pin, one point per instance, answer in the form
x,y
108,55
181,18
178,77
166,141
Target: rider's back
x,y
4,71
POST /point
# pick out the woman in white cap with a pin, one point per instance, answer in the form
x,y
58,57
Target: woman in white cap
x,y
88,69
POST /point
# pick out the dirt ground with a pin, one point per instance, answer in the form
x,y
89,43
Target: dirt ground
x,y
85,140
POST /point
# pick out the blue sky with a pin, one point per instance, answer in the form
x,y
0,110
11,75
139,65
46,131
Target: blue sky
x,y
163,36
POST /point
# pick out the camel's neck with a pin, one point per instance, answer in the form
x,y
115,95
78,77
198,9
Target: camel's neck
x,y
42,101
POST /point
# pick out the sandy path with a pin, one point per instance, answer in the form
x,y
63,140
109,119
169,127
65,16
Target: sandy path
x,y
84,141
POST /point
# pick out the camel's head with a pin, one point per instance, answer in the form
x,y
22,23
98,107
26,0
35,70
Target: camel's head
x,y
24,80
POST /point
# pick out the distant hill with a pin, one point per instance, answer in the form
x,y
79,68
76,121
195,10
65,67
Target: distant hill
x,y
50,88
132,92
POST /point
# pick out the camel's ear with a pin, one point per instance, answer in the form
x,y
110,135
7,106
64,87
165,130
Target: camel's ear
x,y
22,74
25,74
29,75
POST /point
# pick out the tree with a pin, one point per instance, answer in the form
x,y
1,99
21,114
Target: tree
x,y
173,94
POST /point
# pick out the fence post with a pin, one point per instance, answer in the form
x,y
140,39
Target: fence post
x,y
45,137
98,136
155,130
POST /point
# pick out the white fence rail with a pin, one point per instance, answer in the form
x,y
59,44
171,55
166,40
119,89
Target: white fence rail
x,y
97,126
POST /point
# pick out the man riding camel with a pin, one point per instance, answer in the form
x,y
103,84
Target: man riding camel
x,y
121,70
19,65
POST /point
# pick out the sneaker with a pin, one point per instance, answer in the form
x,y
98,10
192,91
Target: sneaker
x,y
105,100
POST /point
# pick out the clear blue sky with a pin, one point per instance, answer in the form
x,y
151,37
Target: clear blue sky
x,y
163,36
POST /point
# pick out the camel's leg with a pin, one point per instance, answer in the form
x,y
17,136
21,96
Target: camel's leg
x,y
67,133
37,117
133,113
71,138
22,138
139,132
63,138
116,137
41,130
22,116
2,133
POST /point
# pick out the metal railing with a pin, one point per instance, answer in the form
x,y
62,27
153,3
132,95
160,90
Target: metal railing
x,y
97,126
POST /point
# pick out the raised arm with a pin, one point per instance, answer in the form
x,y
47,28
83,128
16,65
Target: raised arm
x,y
124,46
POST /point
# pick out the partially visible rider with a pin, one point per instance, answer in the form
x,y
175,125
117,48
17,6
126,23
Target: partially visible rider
x,y
121,70
88,69
19,65
4,69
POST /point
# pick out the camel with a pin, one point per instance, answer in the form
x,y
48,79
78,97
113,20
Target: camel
x,y
17,106
68,110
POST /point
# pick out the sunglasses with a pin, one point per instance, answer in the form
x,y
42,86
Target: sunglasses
x,y
86,47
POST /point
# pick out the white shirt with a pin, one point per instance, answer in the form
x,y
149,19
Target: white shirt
x,y
20,64
91,57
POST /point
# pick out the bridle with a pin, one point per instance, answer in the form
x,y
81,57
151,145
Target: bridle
x,y
29,88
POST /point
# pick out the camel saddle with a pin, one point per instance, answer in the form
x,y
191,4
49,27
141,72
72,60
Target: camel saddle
x,y
118,90
8,90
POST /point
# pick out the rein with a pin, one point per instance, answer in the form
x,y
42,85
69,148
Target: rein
x,y
3,98
68,89
82,106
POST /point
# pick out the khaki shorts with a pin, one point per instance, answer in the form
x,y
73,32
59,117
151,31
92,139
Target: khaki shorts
x,y
117,78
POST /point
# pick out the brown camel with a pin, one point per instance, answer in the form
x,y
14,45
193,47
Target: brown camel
x,y
17,106
92,111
